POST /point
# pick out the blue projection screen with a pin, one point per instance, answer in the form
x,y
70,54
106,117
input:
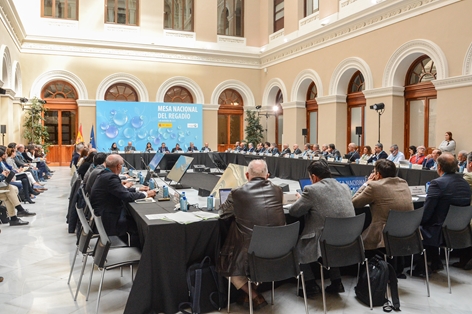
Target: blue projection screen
x,y
141,122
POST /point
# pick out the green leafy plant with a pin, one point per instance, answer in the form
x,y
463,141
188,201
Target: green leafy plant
x,y
34,130
254,129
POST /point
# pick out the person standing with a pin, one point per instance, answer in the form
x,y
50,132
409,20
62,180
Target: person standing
x,y
448,145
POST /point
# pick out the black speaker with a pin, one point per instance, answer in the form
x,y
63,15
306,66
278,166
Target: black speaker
x,y
304,131
285,187
358,130
3,128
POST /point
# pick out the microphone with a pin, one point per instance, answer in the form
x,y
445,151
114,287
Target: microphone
x,y
104,150
130,166
146,166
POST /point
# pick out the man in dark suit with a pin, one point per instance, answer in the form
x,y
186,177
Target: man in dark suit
x,y
108,197
430,162
250,148
379,153
258,202
296,149
129,148
285,150
274,150
449,189
205,149
192,148
352,153
163,149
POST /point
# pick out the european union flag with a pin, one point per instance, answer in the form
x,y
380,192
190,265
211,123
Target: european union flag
x,y
92,138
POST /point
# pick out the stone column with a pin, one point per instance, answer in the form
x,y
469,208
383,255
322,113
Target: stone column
x,y
294,120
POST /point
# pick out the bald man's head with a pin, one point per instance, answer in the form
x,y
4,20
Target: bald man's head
x,y
114,163
257,169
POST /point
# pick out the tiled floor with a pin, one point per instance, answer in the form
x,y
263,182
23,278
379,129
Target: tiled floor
x,y
35,262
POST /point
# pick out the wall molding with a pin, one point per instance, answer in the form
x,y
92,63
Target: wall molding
x,y
384,92
122,77
453,82
332,99
63,75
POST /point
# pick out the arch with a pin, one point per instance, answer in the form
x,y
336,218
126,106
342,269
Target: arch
x,y
6,66
400,61
122,78
62,75
270,91
17,83
343,73
467,66
303,81
240,87
189,84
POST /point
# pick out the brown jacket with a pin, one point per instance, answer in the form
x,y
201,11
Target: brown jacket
x,y
258,202
382,196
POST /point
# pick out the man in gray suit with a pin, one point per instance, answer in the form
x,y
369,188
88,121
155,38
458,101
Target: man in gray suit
x,y
326,197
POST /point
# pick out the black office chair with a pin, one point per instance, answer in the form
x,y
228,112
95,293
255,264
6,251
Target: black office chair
x,y
457,232
402,236
341,245
107,259
272,257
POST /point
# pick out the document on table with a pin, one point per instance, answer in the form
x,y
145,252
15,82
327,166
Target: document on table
x,y
157,216
183,217
206,215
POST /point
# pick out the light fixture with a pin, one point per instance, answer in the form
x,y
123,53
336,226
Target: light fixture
x,y
258,107
275,108
23,100
378,106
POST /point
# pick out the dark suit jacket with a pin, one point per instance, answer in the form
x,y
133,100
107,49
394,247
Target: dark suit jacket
x,y
352,156
428,163
450,189
275,150
258,202
286,151
108,197
382,155
129,148
297,151
176,150
195,149
162,149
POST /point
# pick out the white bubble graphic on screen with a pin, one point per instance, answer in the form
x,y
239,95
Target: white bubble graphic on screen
x,y
121,143
104,126
142,134
120,118
111,131
137,122
157,141
128,132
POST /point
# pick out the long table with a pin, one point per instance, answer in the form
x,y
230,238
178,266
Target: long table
x,y
168,248
136,160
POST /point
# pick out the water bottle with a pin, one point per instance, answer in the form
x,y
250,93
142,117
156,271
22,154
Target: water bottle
x,y
461,169
183,204
210,202
165,191
427,186
141,178
152,186
182,195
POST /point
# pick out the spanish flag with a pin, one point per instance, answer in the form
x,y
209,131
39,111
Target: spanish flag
x,y
80,138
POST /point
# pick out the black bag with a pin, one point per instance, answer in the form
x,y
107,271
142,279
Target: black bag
x,y
202,282
381,273
3,215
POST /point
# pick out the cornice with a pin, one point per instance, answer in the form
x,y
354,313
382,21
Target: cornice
x,y
453,82
86,102
12,22
331,99
210,107
384,92
293,105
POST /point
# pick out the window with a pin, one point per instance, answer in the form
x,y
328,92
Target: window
x,y
178,15
279,118
312,114
311,6
59,90
231,17
230,119
178,94
121,92
278,15
61,9
420,104
356,109
121,12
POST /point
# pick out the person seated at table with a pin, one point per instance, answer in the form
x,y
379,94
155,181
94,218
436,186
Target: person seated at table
x,y
192,148
316,151
273,149
285,150
367,153
383,191
265,149
419,157
177,148
75,155
325,197
250,148
129,148
163,149
448,189
148,147
430,162
258,202
109,197
462,160
307,151
243,147
296,149
352,154
91,175
205,149
395,154
324,150
333,152
378,153
237,147
83,154
114,148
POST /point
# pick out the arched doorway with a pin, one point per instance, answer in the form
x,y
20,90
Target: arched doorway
x,y
420,104
230,119
312,114
60,120
356,109
178,94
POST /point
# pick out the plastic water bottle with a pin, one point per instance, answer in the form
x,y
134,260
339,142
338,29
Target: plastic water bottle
x,y
182,195
427,186
152,186
210,202
165,191
141,178
183,204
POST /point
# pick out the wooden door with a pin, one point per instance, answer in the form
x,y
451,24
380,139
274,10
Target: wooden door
x,y
62,128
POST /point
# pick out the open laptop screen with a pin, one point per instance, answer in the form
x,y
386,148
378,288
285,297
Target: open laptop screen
x,y
304,182
155,161
224,193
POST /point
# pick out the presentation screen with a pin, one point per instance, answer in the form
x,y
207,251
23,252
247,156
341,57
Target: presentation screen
x,y
141,122
179,169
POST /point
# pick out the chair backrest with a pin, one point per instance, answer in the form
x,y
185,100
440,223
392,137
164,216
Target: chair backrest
x,y
86,233
272,242
401,234
103,244
341,242
403,223
458,217
456,227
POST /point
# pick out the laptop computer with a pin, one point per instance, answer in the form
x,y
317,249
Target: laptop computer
x,y
7,179
224,193
304,182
